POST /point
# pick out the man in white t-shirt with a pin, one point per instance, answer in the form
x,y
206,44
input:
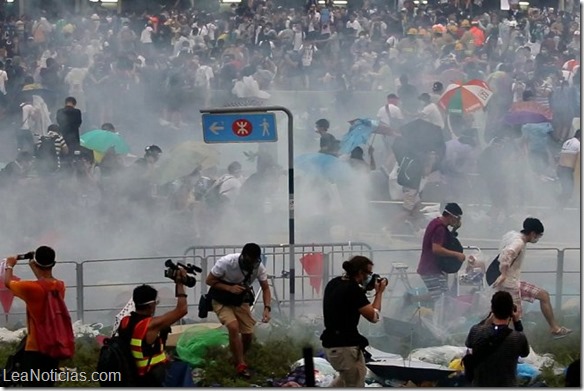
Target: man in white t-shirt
x,y
231,183
230,280
430,112
566,166
390,113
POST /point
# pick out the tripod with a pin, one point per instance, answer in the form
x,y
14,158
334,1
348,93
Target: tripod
x,y
274,298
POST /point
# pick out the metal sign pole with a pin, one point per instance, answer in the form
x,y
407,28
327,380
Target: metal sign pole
x,y
291,228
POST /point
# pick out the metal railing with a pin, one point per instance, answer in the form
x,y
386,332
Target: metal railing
x,y
97,278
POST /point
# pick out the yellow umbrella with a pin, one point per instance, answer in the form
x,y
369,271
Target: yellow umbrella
x,y
183,160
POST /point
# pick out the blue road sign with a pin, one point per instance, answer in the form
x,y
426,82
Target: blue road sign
x,y
239,128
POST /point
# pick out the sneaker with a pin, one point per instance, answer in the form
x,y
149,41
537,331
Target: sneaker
x,y
561,332
243,371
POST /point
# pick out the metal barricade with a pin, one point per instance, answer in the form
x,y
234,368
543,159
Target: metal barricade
x,y
103,284
277,263
67,272
536,268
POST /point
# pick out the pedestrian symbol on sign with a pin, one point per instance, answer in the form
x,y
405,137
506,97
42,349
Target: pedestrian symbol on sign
x,y
241,128
265,127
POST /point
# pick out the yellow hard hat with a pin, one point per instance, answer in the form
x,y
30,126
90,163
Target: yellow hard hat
x,y
465,23
412,31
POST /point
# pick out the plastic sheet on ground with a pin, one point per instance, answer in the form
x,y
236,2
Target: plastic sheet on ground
x,y
11,336
193,343
441,355
79,330
540,361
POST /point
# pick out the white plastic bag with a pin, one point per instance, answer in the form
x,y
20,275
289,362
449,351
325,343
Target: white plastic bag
x,y
440,355
395,190
126,311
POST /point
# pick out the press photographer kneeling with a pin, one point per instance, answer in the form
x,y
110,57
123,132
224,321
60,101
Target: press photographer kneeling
x,y
232,295
147,333
343,304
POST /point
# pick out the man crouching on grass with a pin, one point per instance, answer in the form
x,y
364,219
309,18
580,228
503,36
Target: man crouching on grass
x,y
232,295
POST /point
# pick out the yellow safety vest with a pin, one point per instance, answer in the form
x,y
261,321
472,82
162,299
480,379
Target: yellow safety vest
x,y
144,363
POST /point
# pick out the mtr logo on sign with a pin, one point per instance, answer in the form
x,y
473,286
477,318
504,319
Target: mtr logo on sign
x,y
239,128
242,127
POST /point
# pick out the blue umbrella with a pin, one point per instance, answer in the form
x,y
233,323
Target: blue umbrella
x,y
358,134
322,165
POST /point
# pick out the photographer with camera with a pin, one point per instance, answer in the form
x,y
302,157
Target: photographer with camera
x,y
49,337
147,333
232,295
343,304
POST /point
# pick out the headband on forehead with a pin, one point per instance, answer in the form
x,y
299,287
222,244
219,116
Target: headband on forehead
x,y
451,214
41,265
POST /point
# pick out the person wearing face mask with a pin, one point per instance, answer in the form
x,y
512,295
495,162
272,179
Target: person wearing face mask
x,y
511,256
435,237
232,295
344,303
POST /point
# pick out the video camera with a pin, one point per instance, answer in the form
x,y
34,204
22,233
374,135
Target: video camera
x,y
374,279
172,272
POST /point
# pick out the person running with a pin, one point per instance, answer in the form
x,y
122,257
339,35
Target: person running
x,y
511,256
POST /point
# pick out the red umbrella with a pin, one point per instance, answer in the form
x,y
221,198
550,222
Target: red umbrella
x,y
6,295
312,264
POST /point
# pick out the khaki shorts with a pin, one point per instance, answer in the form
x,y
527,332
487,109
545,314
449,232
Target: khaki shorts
x,y
411,199
350,363
241,314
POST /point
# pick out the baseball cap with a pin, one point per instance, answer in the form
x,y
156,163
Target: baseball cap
x,y
437,86
392,96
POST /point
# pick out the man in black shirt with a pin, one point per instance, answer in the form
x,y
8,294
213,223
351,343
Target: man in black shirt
x,y
343,304
499,368
69,120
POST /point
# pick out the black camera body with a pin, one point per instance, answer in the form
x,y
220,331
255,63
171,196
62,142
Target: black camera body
x,y
374,279
248,295
172,269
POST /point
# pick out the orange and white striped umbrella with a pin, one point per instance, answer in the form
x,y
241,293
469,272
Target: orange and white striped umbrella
x,y
460,98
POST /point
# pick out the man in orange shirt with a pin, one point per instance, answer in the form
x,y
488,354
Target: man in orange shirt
x,y
33,294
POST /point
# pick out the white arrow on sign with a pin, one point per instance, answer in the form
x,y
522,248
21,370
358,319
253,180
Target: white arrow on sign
x,y
215,128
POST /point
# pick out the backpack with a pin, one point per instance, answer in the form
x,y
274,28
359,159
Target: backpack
x,y
116,356
213,196
46,155
493,271
55,326
409,173
450,265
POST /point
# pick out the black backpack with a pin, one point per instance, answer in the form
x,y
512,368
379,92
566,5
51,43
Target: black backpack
x,y
116,356
493,271
450,265
46,155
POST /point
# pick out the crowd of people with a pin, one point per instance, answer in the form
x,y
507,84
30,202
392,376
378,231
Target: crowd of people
x,y
164,64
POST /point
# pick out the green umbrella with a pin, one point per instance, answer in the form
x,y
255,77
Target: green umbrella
x,y
101,140
183,160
